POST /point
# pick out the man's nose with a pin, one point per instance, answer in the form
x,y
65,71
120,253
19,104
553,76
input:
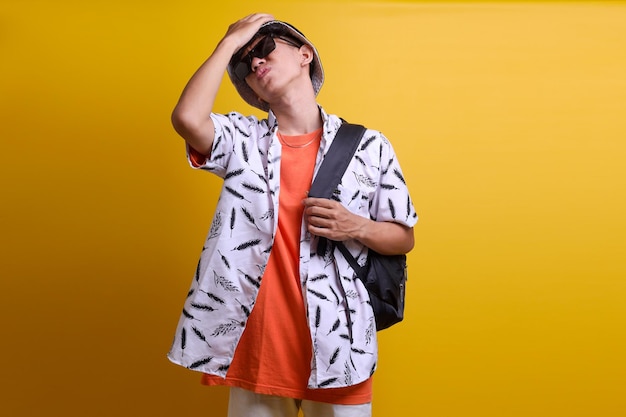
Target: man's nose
x,y
254,64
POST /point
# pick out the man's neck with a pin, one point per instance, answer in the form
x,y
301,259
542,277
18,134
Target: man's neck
x,y
298,120
297,114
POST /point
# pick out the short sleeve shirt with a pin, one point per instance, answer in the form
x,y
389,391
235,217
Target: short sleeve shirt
x,y
246,154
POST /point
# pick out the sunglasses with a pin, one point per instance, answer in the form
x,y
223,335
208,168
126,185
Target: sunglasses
x,y
262,49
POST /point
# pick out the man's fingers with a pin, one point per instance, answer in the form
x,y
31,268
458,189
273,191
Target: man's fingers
x,y
319,202
318,212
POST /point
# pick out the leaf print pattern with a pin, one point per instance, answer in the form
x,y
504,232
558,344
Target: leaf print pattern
x,y
389,165
328,257
398,175
201,362
216,226
370,332
318,316
224,283
364,180
347,372
216,144
337,301
199,334
317,294
352,294
355,196
247,244
196,277
234,173
318,277
245,309
225,328
352,364
327,382
204,307
244,151
224,260
367,142
262,178
251,280
360,351
334,327
333,357
189,316
253,188
233,219
236,193
238,129
359,159
214,297
388,186
218,156
268,215
392,208
249,217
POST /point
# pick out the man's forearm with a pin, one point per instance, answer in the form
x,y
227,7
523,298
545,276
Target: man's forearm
x,y
192,115
386,238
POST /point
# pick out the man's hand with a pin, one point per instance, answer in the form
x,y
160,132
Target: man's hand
x,y
242,31
191,117
329,219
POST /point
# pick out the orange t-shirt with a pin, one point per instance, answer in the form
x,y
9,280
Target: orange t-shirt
x,y
274,354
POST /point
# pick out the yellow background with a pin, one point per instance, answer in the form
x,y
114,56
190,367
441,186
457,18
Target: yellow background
x,y
508,119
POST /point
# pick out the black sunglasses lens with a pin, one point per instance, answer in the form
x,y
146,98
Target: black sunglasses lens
x,y
263,48
260,50
242,69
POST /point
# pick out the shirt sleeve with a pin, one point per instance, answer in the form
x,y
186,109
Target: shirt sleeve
x,y
217,161
392,200
196,159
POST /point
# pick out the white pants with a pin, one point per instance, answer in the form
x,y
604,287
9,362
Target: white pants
x,y
244,403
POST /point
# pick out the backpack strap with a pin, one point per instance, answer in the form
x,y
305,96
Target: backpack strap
x,y
334,165
336,160
361,271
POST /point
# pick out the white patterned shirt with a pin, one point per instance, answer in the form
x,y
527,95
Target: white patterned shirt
x,y
246,154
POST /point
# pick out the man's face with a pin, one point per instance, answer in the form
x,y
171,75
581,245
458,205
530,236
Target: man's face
x,y
260,48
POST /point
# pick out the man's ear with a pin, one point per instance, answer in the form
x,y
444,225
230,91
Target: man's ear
x,y
306,52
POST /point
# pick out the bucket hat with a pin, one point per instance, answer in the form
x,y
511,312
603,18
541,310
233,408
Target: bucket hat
x,y
275,27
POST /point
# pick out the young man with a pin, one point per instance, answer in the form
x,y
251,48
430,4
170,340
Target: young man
x,y
284,327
